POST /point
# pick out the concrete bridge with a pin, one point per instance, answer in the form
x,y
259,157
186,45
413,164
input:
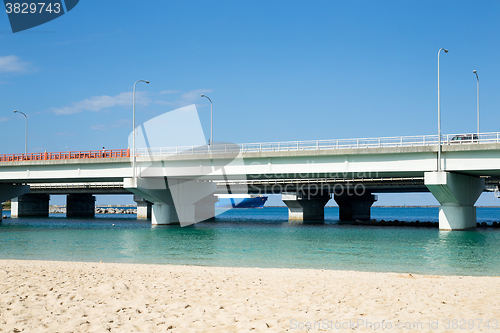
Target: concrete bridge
x,y
306,173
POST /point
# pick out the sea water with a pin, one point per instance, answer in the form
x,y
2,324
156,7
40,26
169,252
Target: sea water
x,y
262,238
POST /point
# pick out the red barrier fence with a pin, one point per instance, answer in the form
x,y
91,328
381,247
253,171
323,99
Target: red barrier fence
x,y
66,155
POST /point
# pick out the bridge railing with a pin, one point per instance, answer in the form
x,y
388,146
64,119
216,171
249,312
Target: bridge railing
x,y
66,155
399,141
75,186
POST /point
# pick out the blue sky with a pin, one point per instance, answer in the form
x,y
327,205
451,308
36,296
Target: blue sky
x,y
275,70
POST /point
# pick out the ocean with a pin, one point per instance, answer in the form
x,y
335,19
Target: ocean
x,y
262,238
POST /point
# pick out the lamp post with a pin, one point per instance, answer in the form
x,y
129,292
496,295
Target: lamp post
x,y
25,132
133,128
477,80
211,120
439,117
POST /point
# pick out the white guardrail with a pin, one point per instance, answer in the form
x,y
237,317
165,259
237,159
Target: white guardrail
x,y
75,186
399,141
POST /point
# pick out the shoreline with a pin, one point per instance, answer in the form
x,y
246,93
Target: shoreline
x,y
411,274
79,296
304,268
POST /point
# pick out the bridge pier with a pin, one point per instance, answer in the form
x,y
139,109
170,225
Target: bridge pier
x,y
205,208
199,211
457,195
143,208
80,205
164,214
30,205
355,207
305,207
175,201
10,191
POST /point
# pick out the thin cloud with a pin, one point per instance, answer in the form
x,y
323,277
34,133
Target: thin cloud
x,y
65,134
107,127
2,119
99,103
192,96
12,64
183,98
99,127
160,102
168,92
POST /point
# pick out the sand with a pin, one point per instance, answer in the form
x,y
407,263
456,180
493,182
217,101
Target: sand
x,y
42,296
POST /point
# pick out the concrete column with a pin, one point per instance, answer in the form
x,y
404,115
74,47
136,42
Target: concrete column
x,y
304,207
199,211
30,205
164,214
457,195
205,208
10,191
143,208
175,201
80,205
355,207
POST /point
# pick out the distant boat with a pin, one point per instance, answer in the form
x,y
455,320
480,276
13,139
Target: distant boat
x,y
240,201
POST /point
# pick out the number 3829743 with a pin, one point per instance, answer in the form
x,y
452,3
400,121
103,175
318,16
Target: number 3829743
x,y
32,8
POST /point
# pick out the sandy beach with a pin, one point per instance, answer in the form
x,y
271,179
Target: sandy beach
x,y
42,296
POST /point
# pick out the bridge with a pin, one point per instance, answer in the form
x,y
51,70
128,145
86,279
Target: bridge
x,y
306,173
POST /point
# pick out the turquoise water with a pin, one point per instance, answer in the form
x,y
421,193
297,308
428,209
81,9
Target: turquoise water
x,y
262,238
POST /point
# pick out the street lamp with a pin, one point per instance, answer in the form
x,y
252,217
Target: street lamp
x,y
211,120
133,127
477,80
25,132
439,117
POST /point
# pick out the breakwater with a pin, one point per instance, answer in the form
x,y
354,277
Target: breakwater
x,y
98,210
423,224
